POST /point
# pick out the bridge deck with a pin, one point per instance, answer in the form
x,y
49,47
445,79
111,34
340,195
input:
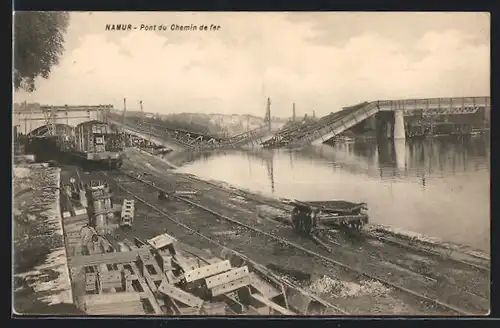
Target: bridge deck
x,y
194,141
42,120
336,123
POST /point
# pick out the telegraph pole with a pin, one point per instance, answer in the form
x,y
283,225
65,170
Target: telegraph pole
x,y
142,112
123,121
268,113
123,114
150,126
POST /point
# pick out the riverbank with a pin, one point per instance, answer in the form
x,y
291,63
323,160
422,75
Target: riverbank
x,y
415,269
41,283
158,165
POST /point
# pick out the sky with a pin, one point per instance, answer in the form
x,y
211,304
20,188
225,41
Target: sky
x,y
320,61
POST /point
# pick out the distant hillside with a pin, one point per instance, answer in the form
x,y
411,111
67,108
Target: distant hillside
x,y
293,124
214,124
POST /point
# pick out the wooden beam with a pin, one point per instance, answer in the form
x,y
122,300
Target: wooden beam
x,y
147,292
272,305
107,258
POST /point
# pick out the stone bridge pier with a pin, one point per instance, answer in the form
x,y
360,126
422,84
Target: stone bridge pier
x,y
390,125
391,138
392,154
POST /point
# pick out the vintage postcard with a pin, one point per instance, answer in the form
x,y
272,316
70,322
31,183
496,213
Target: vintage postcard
x,y
244,163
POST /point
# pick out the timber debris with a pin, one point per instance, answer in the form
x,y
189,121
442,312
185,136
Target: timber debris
x,y
161,275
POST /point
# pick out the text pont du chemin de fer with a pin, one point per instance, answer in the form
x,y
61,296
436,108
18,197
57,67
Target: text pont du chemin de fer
x,y
162,27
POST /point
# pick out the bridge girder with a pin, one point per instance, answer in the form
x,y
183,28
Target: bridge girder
x,y
335,123
40,109
45,130
52,115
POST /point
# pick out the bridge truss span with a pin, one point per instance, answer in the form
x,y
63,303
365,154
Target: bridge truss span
x,y
436,106
334,124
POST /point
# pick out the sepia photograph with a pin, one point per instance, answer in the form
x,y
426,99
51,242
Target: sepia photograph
x,y
251,164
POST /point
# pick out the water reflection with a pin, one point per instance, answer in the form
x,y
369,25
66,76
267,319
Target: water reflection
x,y
270,170
437,186
410,159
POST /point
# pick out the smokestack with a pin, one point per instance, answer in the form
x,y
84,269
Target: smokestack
x,y
314,114
293,116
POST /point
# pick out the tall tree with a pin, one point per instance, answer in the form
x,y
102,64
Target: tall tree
x,y
38,45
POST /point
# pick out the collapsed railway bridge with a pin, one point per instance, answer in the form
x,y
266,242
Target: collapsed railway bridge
x,y
389,118
175,138
36,120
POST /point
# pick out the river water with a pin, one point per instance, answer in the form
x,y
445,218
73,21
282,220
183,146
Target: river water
x,y
438,187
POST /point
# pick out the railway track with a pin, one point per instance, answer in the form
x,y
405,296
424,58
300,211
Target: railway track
x,y
189,235
474,277
448,255
403,284
388,240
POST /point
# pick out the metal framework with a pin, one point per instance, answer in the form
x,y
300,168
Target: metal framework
x,y
335,123
52,115
195,141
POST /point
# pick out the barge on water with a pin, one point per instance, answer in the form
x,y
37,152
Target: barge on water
x,y
89,143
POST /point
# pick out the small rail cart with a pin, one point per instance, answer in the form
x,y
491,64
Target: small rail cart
x,y
310,216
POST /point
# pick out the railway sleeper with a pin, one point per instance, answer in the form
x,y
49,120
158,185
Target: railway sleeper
x,y
343,265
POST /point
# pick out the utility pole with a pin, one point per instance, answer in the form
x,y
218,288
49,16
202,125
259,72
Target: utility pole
x,y
31,115
123,114
268,113
142,112
150,126
123,121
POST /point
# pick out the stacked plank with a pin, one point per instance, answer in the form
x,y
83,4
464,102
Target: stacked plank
x,y
113,303
127,213
108,287
91,282
194,285
109,280
163,276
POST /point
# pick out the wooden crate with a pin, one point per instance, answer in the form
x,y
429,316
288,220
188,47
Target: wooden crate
x,y
91,282
110,279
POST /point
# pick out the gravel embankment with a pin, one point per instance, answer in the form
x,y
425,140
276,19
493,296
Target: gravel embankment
x,y
41,283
